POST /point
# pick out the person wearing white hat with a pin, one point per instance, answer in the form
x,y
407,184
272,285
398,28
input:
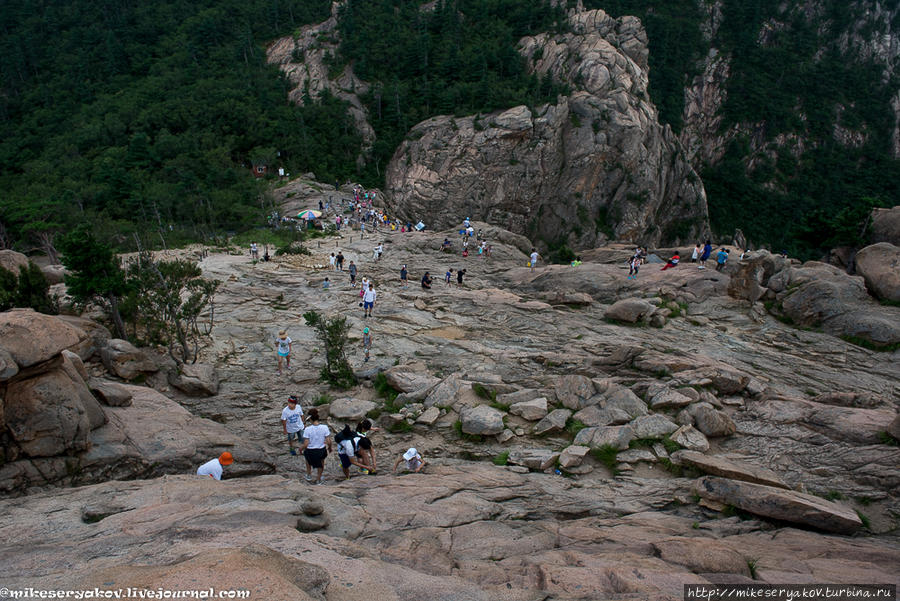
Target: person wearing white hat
x,y
414,461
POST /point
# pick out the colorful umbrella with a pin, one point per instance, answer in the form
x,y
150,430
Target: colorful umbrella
x,y
309,214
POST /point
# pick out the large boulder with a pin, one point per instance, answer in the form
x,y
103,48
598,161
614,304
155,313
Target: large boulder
x,y
522,167
779,504
630,310
481,420
11,260
885,226
595,416
195,379
879,265
750,279
690,438
409,378
45,416
820,295
97,335
71,364
555,421
573,455
661,397
531,410
30,337
111,394
573,391
711,421
349,410
445,393
54,274
624,399
535,459
125,360
652,426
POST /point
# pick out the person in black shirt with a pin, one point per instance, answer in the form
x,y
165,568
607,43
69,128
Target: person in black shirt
x,y
459,277
426,281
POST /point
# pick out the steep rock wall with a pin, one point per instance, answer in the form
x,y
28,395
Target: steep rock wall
x,y
594,165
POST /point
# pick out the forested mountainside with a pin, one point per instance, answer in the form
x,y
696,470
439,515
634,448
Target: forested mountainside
x,y
129,114
788,110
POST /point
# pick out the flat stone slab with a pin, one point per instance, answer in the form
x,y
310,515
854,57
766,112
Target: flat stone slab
x,y
779,504
728,468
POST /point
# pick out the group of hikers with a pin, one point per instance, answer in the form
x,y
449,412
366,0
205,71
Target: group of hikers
x,y
314,441
700,255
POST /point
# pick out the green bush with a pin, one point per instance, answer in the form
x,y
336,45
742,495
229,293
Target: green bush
x,y
332,333
501,459
29,289
607,456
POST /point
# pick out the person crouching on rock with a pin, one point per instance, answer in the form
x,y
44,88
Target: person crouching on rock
x,y
315,440
673,262
426,281
214,468
414,461
367,451
349,451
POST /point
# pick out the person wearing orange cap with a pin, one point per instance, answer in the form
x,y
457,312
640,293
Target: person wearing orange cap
x,y
214,468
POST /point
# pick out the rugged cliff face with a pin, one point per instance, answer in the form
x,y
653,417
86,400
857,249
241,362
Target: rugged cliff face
x,y
595,165
304,59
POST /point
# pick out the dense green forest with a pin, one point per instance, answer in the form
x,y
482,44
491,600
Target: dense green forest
x,y
799,84
144,119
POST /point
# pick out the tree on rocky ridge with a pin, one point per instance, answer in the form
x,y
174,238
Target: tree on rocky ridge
x,y
167,298
94,273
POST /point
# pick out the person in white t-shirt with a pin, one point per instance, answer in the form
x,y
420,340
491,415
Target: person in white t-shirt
x,y
352,450
292,423
534,258
369,300
283,349
316,446
214,468
414,461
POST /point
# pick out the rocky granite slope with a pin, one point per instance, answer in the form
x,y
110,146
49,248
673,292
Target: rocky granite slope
x,y
697,438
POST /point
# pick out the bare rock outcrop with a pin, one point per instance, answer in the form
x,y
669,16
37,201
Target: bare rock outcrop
x,y
53,430
879,265
780,504
886,225
11,260
303,59
818,294
594,164
125,360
